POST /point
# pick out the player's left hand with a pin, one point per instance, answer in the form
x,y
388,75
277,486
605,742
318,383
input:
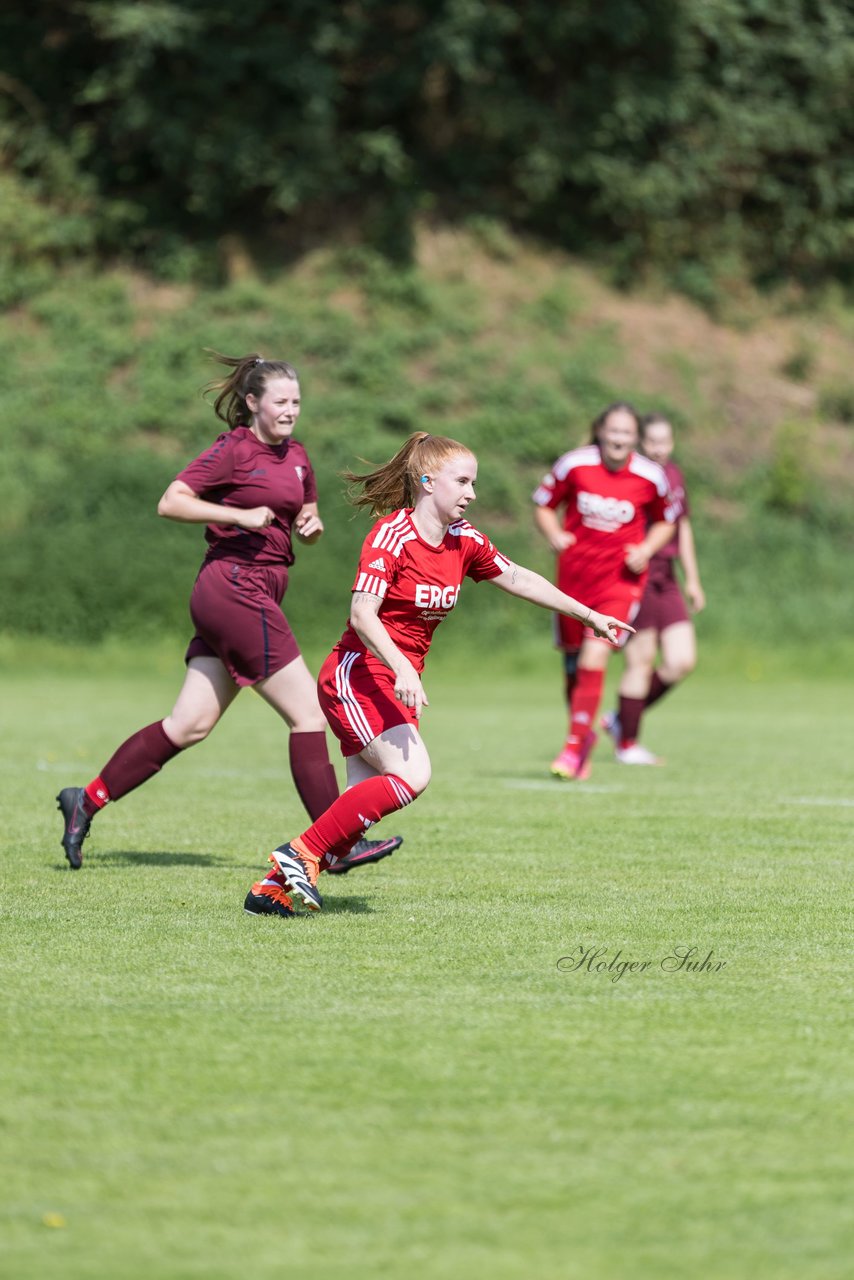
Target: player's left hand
x,y
607,628
308,526
696,596
636,558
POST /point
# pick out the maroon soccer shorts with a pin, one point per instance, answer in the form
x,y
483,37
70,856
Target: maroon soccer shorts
x,y
358,701
236,613
662,606
618,599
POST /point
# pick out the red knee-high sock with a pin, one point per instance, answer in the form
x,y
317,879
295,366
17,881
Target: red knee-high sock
x,y
137,760
630,712
586,697
657,689
343,823
312,772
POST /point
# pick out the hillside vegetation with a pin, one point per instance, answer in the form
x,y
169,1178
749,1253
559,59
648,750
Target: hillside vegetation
x,y
504,345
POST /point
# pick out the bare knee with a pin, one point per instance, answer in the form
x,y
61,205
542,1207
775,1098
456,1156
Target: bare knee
x,y
187,733
416,776
309,722
675,671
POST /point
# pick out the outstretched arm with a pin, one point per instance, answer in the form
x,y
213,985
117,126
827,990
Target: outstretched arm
x,y
365,621
533,587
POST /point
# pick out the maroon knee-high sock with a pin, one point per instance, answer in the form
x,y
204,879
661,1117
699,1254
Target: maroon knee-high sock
x,y
657,689
343,823
312,772
630,712
137,760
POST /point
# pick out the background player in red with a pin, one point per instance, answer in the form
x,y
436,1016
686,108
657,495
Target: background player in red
x,y
663,621
253,488
411,568
603,508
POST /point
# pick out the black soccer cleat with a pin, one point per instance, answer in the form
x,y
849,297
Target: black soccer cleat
x,y
77,824
363,852
260,901
299,874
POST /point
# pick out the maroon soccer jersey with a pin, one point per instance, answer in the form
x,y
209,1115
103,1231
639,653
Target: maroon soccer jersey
x,y
239,470
679,508
605,510
417,583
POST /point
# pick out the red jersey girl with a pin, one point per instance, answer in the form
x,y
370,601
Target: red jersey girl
x,y
254,489
605,510
408,579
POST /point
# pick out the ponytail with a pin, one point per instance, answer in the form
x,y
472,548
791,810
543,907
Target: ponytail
x,y
397,483
249,377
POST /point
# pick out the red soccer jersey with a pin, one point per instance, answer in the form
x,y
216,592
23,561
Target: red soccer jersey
x,y
239,470
418,584
605,510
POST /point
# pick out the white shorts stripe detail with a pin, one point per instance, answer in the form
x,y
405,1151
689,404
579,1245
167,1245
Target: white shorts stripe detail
x,y
353,711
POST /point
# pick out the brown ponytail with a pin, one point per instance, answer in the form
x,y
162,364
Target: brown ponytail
x,y
250,375
397,483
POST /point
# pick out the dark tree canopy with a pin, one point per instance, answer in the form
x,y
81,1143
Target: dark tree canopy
x,y
659,131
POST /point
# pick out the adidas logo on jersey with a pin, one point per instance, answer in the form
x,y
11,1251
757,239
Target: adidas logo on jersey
x,y
378,564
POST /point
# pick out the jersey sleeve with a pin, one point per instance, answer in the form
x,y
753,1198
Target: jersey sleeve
x,y
376,570
551,491
660,508
309,481
484,559
678,501
213,468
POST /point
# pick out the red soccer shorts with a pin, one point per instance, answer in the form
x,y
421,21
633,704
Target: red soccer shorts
x,y
358,700
618,599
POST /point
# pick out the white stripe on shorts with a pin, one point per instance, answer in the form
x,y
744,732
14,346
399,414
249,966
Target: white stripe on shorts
x,y
353,711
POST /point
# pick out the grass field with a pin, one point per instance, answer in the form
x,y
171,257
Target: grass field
x,y
410,1085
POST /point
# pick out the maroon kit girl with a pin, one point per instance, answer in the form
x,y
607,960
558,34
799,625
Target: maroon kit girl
x,y
254,488
408,579
665,630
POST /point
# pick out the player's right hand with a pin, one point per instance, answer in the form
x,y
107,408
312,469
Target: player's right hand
x,y
409,690
562,540
608,628
256,518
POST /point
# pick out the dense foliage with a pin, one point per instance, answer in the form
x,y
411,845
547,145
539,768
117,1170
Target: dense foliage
x,y
698,137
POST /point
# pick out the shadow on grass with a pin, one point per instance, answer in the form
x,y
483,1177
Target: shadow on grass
x,y
152,858
345,906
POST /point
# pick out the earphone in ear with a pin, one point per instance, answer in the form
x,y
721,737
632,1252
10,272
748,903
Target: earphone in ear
x,y
424,479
